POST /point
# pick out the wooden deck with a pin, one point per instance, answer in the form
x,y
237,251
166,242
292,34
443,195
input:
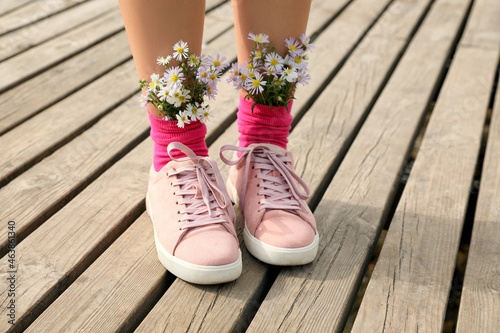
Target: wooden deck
x,y
398,129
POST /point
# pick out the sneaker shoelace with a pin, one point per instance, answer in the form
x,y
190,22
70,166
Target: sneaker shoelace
x,y
280,192
200,190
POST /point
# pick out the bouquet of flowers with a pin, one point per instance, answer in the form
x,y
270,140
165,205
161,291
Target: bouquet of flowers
x,y
179,92
268,78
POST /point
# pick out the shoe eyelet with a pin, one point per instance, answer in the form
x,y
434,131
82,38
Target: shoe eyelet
x,y
177,202
258,185
253,167
171,183
178,212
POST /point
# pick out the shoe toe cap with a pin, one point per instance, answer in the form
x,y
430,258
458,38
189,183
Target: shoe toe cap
x,y
285,230
208,246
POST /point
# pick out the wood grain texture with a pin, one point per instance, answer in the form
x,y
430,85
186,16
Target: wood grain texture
x,y
232,300
480,298
330,124
409,288
48,183
35,60
317,297
36,33
10,5
32,12
38,136
107,295
68,242
217,21
212,4
55,84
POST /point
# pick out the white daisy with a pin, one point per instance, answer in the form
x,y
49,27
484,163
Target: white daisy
x,y
306,41
289,74
174,77
194,111
173,98
299,62
233,73
164,93
256,84
303,78
260,38
181,49
213,77
184,97
217,62
144,101
293,46
182,119
274,61
155,80
163,61
194,61
203,74
205,115
211,90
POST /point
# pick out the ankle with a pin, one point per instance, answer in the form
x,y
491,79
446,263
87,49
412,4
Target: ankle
x,y
163,132
263,123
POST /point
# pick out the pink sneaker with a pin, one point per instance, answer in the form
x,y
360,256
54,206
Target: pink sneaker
x,y
280,229
193,220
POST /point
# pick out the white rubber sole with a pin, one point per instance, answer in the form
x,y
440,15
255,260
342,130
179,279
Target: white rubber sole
x,y
193,273
280,256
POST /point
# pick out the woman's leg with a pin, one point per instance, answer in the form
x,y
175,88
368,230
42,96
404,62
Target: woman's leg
x,y
154,26
280,228
279,19
191,230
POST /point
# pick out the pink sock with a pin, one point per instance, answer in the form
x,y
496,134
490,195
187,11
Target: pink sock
x,y
263,125
164,131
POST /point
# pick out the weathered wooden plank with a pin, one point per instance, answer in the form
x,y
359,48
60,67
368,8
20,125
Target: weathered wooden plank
x,y
409,288
106,307
36,33
9,5
49,182
217,22
55,84
212,4
480,298
233,301
356,202
35,60
63,246
52,182
32,12
40,134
